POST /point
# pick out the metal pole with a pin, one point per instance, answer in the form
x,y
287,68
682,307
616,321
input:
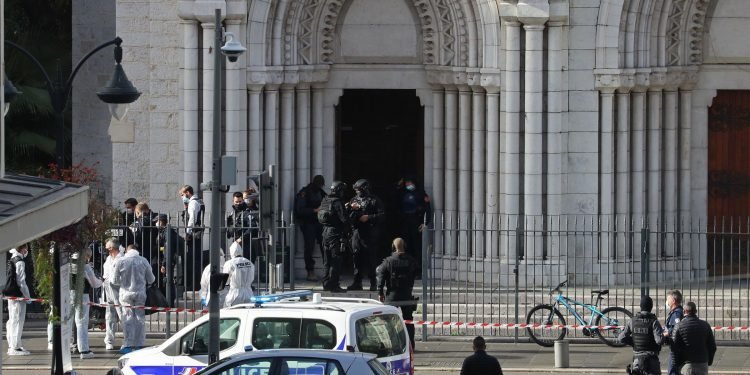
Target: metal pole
x,y
645,258
425,276
170,282
519,234
213,304
57,359
292,245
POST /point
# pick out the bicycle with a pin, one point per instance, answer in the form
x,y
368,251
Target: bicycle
x,y
545,314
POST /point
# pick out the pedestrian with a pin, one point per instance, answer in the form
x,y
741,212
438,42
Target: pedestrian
x,y
694,346
336,231
112,314
365,212
146,233
241,272
127,218
645,335
414,212
480,363
90,282
397,273
674,306
239,224
193,220
133,274
15,286
171,245
205,292
306,206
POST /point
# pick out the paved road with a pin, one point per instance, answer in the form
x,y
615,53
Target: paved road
x,y
433,357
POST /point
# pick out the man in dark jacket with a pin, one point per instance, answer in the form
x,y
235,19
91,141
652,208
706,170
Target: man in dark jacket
x,y
397,272
645,335
674,306
306,205
173,246
414,212
336,231
694,346
366,213
480,363
242,226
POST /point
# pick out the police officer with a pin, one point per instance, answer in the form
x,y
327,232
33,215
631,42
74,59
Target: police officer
x,y
241,225
645,335
365,212
397,273
336,231
306,205
414,213
674,306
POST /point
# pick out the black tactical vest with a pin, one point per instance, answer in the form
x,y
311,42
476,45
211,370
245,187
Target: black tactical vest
x,y
643,333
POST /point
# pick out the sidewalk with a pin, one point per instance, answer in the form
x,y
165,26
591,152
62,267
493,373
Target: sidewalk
x,y
433,357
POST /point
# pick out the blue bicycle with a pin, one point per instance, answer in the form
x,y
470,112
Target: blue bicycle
x,y
546,314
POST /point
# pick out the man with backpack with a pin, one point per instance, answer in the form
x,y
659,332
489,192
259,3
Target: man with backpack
x,y
15,286
645,334
336,232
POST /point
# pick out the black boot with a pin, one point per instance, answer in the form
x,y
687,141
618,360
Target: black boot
x,y
355,286
337,289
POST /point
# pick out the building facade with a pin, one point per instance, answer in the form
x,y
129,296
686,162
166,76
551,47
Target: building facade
x,y
540,108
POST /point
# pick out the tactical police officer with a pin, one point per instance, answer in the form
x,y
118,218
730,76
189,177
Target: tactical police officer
x,y
414,213
645,335
397,273
674,306
365,212
336,231
306,206
241,226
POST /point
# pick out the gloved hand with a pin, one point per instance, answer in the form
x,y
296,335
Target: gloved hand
x,y
203,302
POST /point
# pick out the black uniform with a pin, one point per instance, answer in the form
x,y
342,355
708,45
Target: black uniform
x,y
336,232
175,248
644,334
414,210
308,199
146,235
672,319
365,237
243,224
397,273
694,342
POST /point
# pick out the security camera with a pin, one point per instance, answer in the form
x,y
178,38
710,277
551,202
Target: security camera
x,y
232,49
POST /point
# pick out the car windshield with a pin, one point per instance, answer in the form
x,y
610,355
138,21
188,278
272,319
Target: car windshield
x,y
382,335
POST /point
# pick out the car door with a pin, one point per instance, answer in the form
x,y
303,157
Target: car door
x,y
275,329
193,354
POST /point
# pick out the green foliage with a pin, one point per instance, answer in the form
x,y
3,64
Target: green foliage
x,y
43,272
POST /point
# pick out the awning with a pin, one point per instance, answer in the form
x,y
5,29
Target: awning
x,y
31,207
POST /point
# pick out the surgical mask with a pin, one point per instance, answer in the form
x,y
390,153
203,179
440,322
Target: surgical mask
x,y
410,187
666,304
185,200
247,201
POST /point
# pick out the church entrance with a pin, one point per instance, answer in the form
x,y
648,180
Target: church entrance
x,y
380,137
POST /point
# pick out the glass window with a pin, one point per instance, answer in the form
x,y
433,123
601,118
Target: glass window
x,y
259,366
318,334
274,333
197,339
309,366
382,335
377,367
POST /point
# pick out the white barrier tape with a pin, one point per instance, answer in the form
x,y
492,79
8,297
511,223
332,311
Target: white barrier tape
x,y
153,308
538,326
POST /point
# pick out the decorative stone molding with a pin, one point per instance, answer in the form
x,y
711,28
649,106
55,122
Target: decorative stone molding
x,y
674,31
697,29
429,32
533,12
614,79
306,31
331,10
287,75
657,78
447,33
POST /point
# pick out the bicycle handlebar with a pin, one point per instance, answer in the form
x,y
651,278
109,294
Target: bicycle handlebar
x,y
557,288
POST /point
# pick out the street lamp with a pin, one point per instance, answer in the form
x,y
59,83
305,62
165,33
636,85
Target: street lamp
x,y
118,92
232,50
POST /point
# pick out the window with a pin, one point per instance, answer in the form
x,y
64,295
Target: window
x,y
318,334
274,333
382,335
301,366
197,339
259,366
377,367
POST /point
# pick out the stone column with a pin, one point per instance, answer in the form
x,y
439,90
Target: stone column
x,y
554,126
622,168
451,168
606,171
533,181
317,129
271,126
287,183
478,170
686,103
512,165
438,165
303,135
671,168
236,112
492,190
464,168
190,92
255,134
638,156
654,157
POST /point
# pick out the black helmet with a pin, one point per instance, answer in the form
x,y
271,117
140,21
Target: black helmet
x,y
362,185
338,188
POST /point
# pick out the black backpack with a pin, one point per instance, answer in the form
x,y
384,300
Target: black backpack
x,y
325,215
12,289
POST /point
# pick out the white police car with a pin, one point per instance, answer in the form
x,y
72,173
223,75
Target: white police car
x,y
284,320
297,361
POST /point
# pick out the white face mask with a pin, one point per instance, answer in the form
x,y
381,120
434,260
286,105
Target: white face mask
x,y
666,304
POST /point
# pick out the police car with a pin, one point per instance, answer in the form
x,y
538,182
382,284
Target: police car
x,y
297,361
286,320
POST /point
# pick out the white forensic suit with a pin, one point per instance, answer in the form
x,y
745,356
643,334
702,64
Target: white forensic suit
x,y
241,273
133,274
112,314
82,310
17,309
205,281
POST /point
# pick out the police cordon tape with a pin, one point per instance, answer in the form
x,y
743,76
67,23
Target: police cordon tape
x,y
432,323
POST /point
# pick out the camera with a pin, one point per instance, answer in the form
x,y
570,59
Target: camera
x,y
232,49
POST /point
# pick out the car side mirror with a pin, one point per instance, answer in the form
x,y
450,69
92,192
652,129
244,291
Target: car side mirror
x,y
187,348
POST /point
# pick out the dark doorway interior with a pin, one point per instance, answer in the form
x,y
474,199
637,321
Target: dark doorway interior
x,y
380,137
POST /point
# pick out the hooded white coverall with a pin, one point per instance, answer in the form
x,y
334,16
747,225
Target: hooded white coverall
x,y
133,274
241,273
112,315
205,281
82,310
17,309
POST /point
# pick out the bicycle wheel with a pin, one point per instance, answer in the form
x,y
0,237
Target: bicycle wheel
x,y
545,336
612,316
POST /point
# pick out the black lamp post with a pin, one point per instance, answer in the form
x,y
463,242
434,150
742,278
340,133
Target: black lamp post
x,y
118,92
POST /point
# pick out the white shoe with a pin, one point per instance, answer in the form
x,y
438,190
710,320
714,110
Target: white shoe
x,y
109,347
20,351
88,354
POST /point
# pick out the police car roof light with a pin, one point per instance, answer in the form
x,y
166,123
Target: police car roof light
x,y
259,300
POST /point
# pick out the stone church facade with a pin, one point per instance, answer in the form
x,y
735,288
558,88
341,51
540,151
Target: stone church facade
x,y
511,107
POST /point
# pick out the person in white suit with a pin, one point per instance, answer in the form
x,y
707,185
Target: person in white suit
x,y
133,274
241,273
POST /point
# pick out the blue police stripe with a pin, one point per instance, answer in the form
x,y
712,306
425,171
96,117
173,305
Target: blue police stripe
x,y
341,344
